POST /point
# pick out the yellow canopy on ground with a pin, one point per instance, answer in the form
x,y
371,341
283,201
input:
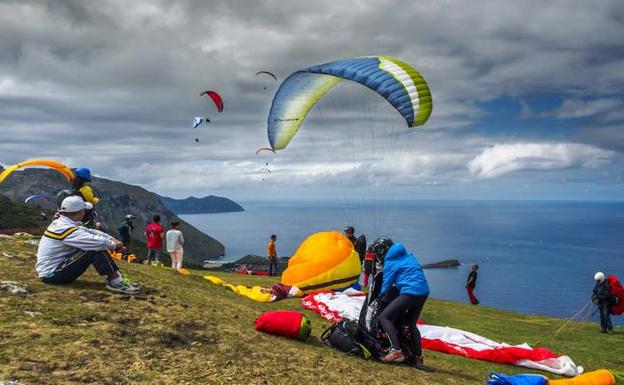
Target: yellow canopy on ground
x,y
324,261
597,377
257,293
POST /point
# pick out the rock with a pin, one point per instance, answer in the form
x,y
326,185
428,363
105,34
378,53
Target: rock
x,y
32,314
442,264
14,288
5,382
5,236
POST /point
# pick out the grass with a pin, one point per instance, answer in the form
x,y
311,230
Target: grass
x,y
185,330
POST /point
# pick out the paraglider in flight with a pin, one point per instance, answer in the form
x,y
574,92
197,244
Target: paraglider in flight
x,y
197,121
397,82
264,149
61,168
267,73
36,196
264,170
216,98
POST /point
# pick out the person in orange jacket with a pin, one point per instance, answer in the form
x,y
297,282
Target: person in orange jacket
x,y
272,255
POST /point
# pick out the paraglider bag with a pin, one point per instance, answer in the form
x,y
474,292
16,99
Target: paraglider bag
x,y
347,337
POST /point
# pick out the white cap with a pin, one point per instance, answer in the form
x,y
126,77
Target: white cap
x,y
599,276
73,204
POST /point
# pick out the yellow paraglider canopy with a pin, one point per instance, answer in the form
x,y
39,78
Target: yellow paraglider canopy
x,y
324,261
60,167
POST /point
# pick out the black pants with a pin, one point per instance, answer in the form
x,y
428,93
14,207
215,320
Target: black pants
x,y
605,316
404,310
272,266
76,264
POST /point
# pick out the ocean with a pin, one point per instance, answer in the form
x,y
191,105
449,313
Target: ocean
x,y
536,257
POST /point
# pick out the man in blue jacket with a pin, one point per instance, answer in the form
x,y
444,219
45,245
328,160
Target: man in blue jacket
x,y
401,269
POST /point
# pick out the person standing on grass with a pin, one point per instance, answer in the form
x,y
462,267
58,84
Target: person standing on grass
x,y
600,296
175,243
471,283
272,255
154,233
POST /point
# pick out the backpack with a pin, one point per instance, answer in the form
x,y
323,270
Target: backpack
x,y
616,300
344,337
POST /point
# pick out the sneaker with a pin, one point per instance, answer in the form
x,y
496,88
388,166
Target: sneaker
x,y
603,331
609,331
124,287
394,355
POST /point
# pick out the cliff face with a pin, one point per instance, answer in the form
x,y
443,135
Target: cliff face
x,y
116,201
207,205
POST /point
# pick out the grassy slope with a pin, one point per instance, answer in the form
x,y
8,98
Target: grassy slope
x,y
188,331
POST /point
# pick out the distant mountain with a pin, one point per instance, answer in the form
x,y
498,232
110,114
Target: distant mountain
x,y
116,200
207,205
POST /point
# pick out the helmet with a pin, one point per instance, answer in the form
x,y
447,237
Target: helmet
x,y
129,217
599,276
380,247
84,174
349,229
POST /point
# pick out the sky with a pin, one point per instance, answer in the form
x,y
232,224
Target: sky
x,y
527,96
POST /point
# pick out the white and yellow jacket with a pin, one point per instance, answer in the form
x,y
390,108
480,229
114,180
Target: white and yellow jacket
x,y
64,237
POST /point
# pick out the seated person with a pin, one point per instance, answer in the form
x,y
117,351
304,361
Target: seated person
x,y
67,249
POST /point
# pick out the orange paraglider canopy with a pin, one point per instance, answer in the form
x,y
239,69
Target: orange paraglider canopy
x,y
60,167
323,261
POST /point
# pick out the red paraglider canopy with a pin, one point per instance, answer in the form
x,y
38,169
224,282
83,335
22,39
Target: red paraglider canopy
x,y
216,98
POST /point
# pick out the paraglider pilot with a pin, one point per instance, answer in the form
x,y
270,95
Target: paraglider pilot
x,y
600,296
401,270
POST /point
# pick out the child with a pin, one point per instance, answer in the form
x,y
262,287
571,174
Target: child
x,y
175,243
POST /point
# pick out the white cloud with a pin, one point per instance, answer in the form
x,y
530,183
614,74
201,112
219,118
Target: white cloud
x,y
502,159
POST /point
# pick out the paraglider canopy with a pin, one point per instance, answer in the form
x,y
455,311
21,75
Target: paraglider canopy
x,y
216,98
324,261
397,82
264,149
267,73
35,197
61,168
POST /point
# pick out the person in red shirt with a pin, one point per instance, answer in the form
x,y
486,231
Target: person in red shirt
x,y
154,234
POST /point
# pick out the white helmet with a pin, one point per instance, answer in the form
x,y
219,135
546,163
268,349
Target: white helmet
x,y
599,276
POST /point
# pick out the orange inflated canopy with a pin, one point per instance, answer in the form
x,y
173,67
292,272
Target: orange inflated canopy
x,y
324,261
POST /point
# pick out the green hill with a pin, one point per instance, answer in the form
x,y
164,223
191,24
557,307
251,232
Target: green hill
x,y
185,330
116,200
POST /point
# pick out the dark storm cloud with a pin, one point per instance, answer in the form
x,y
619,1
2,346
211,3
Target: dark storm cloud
x,y
125,76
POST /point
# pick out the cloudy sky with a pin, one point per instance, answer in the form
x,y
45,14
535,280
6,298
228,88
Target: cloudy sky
x,y
528,99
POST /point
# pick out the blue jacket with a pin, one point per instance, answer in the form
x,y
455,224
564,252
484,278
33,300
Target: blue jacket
x,y
403,270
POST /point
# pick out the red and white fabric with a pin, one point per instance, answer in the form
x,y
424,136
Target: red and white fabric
x,y
334,306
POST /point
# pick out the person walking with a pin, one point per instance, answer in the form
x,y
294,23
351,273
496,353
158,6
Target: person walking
x,y
175,243
272,255
601,296
471,283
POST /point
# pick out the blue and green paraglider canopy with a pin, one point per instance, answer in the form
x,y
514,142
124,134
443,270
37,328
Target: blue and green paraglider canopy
x,y
397,82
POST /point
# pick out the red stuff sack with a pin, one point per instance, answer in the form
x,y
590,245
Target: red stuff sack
x,y
287,323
